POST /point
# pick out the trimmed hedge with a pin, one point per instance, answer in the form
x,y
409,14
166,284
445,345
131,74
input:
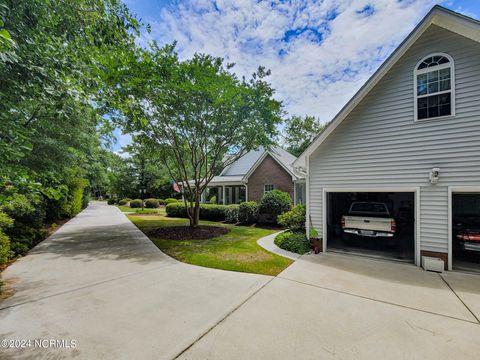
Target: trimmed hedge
x,y
294,219
161,201
274,203
293,241
137,203
248,212
207,211
111,201
124,201
152,203
232,214
170,201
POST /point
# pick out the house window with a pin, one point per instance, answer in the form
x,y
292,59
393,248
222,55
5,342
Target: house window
x,y
434,87
268,187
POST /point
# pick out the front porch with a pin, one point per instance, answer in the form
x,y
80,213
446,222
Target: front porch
x,y
225,194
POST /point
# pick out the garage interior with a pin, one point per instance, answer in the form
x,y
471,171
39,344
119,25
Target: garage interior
x,y
401,206
466,226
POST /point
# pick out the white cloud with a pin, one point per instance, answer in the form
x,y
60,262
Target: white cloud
x,y
335,49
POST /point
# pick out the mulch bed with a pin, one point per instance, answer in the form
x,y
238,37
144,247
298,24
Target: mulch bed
x,y
201,232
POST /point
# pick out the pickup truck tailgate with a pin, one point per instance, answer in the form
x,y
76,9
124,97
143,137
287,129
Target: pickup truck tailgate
x,y
368,223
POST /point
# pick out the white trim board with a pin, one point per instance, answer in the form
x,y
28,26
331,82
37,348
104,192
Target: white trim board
x,y
451,191
439,16
415,190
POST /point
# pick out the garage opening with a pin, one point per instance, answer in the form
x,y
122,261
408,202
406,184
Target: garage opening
x,y
466,231
378,224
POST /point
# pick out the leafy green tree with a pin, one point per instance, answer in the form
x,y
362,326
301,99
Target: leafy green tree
x,y
53,62
299,132
197,115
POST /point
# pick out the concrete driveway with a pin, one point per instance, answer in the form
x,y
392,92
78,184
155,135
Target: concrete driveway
x,y
344,307
100,282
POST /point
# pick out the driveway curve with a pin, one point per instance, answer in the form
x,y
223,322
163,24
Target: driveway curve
x,y
100,289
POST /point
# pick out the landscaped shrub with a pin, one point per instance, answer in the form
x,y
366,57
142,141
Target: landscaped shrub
x,y
176,209
75,198
212,212
213,200
161,202
248,212
124,201
294,219
170,201
111,201
151,203
207,211
231,214
5,252
137,203
274,203
293,241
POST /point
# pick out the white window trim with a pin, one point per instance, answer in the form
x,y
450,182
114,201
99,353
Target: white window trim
x,y
265,185
417,72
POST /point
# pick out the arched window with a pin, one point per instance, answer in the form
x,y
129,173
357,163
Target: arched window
x,y
434,87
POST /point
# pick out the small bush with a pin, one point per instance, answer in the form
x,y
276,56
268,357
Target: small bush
x,y
274,203
213,200
212,212
207,211
170,201
152,203
111,201
293,241
176,209
137,203
161,202
248,212
231,214
124,201
294,219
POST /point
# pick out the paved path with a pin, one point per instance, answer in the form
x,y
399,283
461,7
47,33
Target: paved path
x,y
268,243
345,307
101,282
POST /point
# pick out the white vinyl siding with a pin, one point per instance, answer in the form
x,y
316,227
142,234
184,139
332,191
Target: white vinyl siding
x,y
379,144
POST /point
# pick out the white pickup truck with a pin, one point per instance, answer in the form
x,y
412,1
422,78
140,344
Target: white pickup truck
x,y
370,219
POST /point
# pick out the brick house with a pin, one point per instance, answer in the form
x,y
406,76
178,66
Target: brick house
x,y
255,173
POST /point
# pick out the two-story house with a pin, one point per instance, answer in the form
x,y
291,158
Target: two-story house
x,y
408,140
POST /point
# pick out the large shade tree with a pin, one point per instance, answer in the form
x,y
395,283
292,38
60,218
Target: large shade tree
x,y
196,114
299,132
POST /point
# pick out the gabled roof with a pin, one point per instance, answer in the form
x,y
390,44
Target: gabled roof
x,y
241,169
439,16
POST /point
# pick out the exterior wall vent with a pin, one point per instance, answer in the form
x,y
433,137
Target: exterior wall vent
x,y
432,264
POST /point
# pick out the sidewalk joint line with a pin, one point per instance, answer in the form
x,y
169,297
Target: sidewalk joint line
x,y
380,301
222,319
459,298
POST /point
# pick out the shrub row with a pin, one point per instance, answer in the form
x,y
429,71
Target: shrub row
x,y
293,241
207,211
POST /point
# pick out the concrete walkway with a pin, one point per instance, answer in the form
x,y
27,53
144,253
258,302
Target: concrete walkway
x,y
268,243
101,282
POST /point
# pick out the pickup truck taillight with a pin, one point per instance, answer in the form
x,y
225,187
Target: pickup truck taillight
x,y
393,226
343,222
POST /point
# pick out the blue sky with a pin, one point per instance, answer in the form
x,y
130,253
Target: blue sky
x,y
320,51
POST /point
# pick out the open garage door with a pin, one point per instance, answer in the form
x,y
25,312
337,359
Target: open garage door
x,y
378,224
466,231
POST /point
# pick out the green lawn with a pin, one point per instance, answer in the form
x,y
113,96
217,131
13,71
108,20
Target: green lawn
x,y
128,209
237,251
